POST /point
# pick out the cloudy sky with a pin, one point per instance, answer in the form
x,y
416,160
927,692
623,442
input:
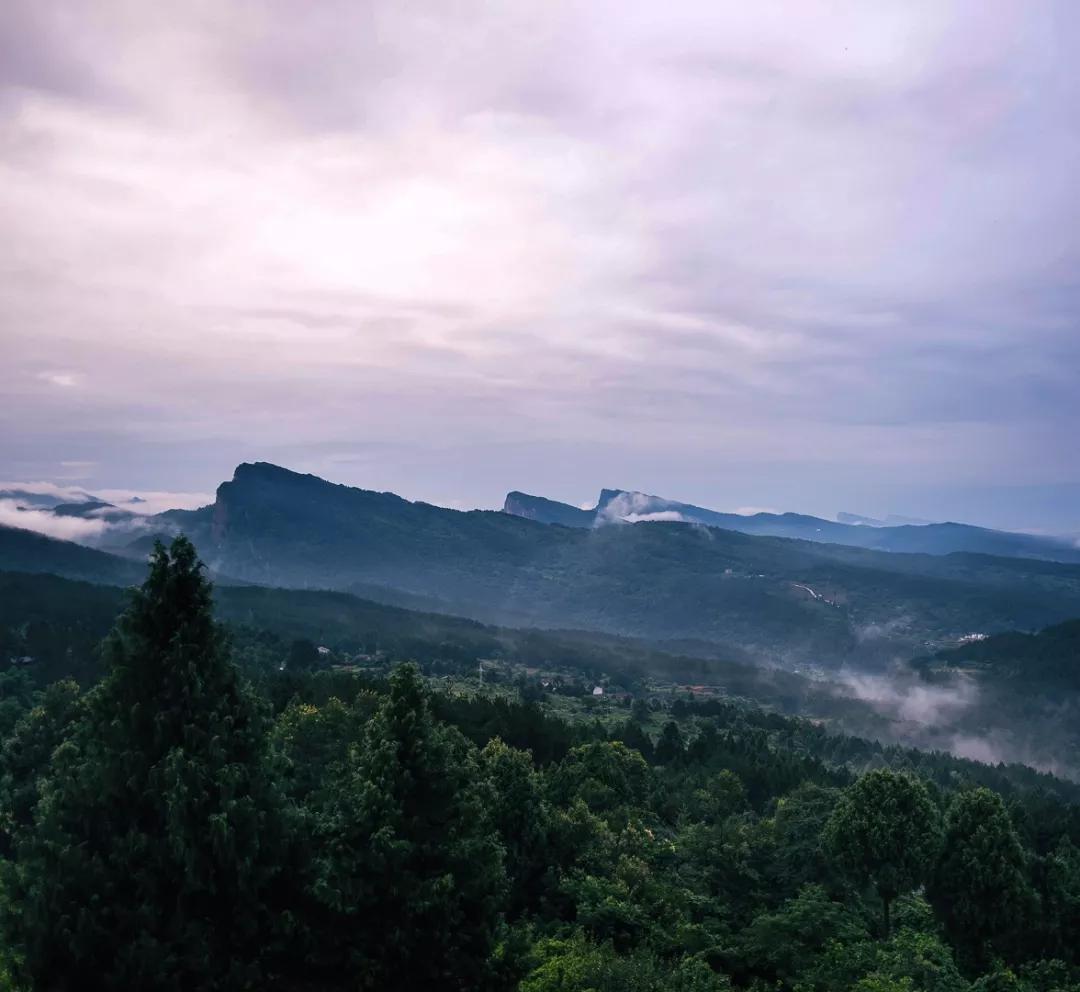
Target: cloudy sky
x,y
815,256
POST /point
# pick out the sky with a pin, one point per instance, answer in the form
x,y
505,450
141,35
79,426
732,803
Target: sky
x,y
805,256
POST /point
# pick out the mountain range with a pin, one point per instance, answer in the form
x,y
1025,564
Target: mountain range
x,y
656,592
621,506
675,576
781,599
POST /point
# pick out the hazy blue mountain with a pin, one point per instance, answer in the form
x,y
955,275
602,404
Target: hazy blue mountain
x,y
796,601
618,505
95,509
81,613
892,520
1024,706
547,511
39,501
26,551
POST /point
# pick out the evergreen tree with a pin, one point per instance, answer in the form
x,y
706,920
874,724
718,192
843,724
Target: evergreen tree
x,y
979,887
25,757
885,830
669,747
633,736
157,835
409,871
608,776
520,816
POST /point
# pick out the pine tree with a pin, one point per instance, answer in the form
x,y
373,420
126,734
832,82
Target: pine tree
x,y
520,816
979,887
410,872
158,834
669,748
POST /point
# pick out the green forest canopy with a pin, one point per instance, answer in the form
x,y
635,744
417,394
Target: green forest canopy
x,y
178,826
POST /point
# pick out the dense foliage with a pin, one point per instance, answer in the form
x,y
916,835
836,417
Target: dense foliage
x,y
58,623
175,826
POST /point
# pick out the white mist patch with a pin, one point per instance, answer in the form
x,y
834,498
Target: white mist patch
x,y
31,506
627,508
141,501
659,516
638,508
882,629
975,748
85,530
913,701
147,502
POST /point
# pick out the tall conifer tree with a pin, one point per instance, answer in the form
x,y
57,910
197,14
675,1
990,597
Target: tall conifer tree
x,y
157,835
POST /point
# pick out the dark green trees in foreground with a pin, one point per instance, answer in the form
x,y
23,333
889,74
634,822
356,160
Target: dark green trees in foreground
x,y
158,834
167,830
979,887
158,851
885,828
407,863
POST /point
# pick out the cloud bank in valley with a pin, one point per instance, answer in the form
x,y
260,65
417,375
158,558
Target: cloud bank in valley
x,y
905,698
83,530
735,254
31,505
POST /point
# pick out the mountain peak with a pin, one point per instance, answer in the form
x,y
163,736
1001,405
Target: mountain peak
x,y
546,511
264,470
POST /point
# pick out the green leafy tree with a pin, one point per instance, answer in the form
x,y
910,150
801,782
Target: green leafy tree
x,y
916,957
878,982
885,830
579,965
520,816
669,747
303,656
157,840
409,867
1000,979
633,735
1061,898
786,943
609,777
978,887
798,828
26,754
721,796
311,742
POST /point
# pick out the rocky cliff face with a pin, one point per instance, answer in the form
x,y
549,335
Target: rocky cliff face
x,y
547,511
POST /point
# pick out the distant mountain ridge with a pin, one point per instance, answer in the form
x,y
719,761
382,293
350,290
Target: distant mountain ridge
x,y
45,500
791,600
27,551
892,520
619,506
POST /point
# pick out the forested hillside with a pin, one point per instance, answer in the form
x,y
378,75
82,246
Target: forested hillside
x,y
25,551
1048,659
55,624
178,826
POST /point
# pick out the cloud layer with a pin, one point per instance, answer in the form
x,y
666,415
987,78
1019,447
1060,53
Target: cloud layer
x,y
736,254
29,505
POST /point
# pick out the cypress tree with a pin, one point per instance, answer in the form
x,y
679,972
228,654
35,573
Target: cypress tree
x,y
158,833
409,874
979,886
